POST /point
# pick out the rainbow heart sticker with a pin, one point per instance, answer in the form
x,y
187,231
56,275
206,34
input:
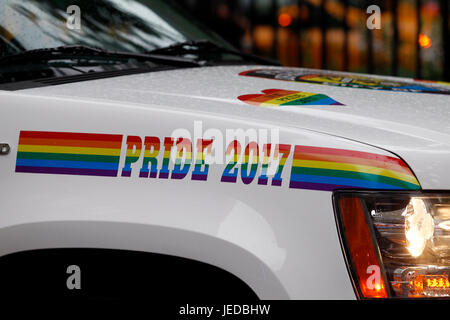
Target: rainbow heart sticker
x,y
278,97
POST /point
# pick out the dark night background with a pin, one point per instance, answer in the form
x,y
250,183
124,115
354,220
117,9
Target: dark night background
x,y
332,34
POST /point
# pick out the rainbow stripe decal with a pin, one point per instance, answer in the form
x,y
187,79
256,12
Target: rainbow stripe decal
x,y
69,153
183,159
328,169
152,146
433,82
313,168
278,97
201,168
134,148
347,80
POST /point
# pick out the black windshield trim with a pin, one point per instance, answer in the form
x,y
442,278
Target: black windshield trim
x,y
202,47
74,51
54,81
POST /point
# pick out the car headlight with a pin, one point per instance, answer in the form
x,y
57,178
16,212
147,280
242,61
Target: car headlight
x,y
396,244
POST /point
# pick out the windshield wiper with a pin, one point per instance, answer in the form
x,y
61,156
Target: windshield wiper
x,y
87,52
206,50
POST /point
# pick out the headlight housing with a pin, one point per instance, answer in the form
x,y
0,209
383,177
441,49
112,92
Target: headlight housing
x,y
396,244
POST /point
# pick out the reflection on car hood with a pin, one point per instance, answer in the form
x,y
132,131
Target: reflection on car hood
x,y
415,126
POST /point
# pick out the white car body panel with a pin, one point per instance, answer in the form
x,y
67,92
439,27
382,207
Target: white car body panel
x,y
282,242
414,126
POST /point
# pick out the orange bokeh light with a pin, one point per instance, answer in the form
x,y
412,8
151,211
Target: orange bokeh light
x,y
285,20
424,41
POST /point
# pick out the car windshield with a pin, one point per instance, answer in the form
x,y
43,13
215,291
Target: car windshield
x,y
120,25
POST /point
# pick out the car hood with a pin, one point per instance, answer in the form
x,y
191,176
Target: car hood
x,y
415,126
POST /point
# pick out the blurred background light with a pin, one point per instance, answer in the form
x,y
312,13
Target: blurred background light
x,y
424,41
284,20
331,34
